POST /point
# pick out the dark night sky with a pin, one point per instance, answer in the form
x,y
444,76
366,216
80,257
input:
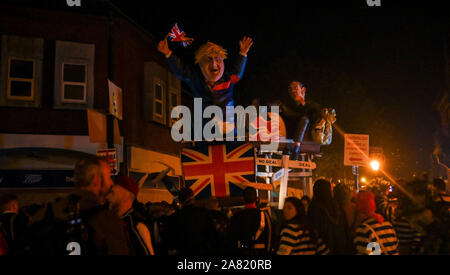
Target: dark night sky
x,y
390,57
394,53
394,50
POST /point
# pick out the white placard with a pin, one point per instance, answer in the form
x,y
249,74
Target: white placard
x,y
356,150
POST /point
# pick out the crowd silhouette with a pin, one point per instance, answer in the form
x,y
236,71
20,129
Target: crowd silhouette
x,y
104,217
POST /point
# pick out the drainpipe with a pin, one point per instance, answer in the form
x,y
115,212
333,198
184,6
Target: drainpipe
x,y
110,118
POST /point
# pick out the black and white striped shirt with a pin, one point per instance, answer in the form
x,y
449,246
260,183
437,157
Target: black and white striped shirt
x,y
296,240
384,208
385,233
409,238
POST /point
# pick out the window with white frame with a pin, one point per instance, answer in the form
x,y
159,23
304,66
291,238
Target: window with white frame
x,y
74,75
159,99
21,78
74,83
21,70
174,100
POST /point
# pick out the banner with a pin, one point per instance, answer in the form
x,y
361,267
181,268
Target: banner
x,y
356,150
115,100
97,127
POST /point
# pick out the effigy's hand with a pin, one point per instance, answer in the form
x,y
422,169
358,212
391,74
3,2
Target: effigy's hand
x,y
188,39
244,45
163,47
331,116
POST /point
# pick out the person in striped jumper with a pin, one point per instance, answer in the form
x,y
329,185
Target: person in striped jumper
x,y
297,237
408,236
374,236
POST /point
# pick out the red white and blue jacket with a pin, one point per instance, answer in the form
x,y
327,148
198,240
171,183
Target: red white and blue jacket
x,y
221,94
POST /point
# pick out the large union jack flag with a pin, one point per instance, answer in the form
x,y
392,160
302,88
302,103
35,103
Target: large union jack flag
x,y
218,170
178,35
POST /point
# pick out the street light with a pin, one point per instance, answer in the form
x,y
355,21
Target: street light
x,y
375,165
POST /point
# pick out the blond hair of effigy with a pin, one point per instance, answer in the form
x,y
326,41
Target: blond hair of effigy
x,y
209,49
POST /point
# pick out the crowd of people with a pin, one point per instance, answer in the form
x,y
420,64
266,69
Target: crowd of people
x,y
103,217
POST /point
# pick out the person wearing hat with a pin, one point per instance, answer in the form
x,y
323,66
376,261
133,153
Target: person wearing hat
x,y
121,198
373,232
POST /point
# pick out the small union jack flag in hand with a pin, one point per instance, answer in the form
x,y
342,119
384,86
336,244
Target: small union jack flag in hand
x,y
178,35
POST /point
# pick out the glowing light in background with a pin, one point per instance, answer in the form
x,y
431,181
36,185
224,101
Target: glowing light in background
x,y
375,165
